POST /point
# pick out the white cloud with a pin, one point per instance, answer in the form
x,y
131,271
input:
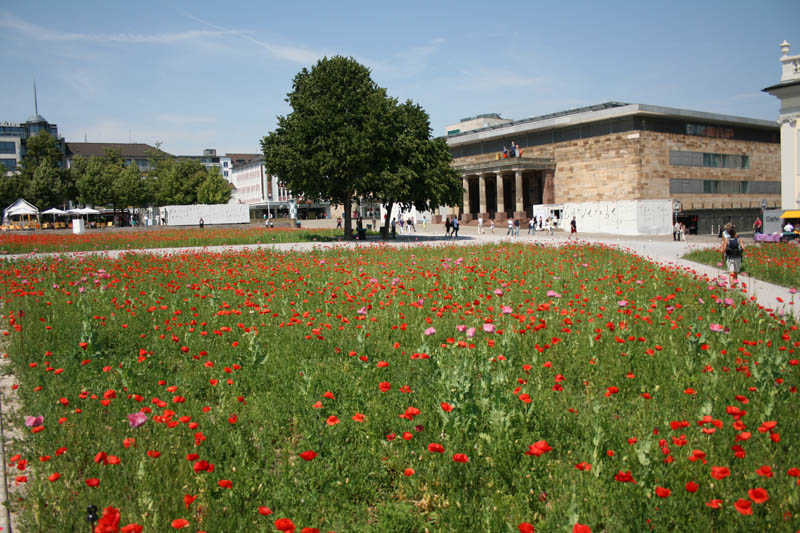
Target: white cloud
x,y
44,34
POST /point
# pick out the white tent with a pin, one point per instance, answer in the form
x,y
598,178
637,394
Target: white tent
x,y
20,208
83,211
53,211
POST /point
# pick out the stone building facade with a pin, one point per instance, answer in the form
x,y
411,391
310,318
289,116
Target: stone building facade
x,y
719,168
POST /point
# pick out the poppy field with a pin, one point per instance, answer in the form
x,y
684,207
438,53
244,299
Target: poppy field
x,y
157,237
485,388
777,263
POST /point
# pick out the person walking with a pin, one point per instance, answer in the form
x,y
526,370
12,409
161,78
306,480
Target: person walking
x,y
573,228
676,231
447,227
549,225
510,230
732,255
456,225
424,223
480,225
532,226
682,235
491,226
394,228
516,227
338,222
202,223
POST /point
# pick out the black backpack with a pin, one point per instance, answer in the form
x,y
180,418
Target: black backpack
x,y
733,249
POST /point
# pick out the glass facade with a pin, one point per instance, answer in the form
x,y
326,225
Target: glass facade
x,y
9,164
702,159
8,147
684,186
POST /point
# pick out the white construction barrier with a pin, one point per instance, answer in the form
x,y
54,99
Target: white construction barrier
x,y
629,217
190,215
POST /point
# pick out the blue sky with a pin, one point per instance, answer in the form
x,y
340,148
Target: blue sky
x,y
199,74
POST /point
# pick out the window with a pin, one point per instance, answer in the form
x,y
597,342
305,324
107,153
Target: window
x,y
8,147
10,164
225,173
684,186
225,164
700,159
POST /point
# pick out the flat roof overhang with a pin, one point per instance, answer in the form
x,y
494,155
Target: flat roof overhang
x,y
537,124
507,165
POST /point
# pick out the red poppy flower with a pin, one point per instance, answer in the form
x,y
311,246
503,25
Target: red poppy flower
x,y
435,447
540,447
358,417
624,477
581,528
179,523
54,476
188,499
385,386
332,420
408,472
525,527
743,506
93,482
264,510
225,483
714,504
720,472
584,466
692,487
132,528
308,455
460,458
109,522
446,407
284,524
765,471
758,495
663,492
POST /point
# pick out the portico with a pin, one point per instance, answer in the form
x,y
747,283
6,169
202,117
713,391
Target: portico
x,y
506,188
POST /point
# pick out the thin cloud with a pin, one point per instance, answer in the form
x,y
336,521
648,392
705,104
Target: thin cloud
x,y
44,34
490,80
288,53
409,63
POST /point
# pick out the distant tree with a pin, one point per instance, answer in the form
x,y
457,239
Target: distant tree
x,y
10,189
177,181
46,188
215,189
96,184
416,171
131,188
323,148
41,174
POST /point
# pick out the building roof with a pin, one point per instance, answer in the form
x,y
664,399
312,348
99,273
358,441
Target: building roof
x,y
782,85
604,111
126,150
243,159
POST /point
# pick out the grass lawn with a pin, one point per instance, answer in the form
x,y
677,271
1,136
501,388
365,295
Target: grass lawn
x,y
487,388
777,263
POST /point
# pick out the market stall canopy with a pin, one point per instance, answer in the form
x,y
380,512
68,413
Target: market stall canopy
x,y
791,214
53,211
20,207
83,211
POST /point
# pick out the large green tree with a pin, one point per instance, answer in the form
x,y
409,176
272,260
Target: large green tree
x,y
416,171
323,149
215,189
46,188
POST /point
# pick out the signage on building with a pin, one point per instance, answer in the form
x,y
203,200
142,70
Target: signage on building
x,y
676,206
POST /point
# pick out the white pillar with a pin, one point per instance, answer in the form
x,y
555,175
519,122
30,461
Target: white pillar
x,y
465,207
500,200
482,193
518,189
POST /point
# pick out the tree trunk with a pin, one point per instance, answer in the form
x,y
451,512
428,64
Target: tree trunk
x,y
387,220
348,222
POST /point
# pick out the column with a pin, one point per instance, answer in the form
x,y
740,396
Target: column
x,y
500,201
482,193
465,205
518,192
548,187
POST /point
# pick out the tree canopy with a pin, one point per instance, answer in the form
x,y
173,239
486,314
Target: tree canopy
x,y
215,189
41,179
346,138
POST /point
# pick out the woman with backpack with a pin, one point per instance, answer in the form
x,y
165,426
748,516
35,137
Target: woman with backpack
x,y
732,250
